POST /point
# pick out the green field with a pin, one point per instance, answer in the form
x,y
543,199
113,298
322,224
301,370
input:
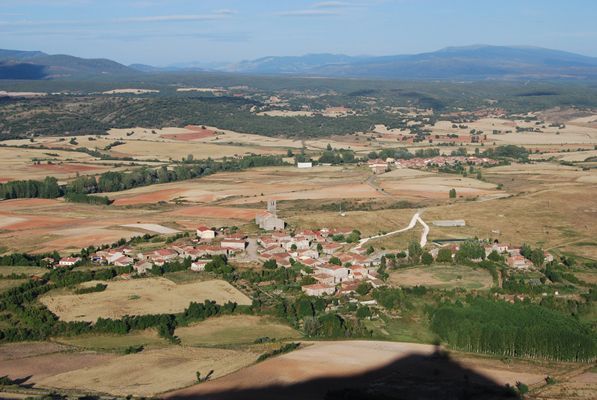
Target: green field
x,y
442,276
240,329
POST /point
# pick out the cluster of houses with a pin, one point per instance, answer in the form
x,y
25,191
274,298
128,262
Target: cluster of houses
x,y
379,166
514,259
316,249
143,261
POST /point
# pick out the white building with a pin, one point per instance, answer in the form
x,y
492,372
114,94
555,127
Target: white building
x,y
205,233
234,244
68,261
318,289
199,265
304,164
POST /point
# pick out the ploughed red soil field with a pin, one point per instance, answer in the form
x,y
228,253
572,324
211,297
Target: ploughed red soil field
x,y
65,168
217,212
197,133
153,197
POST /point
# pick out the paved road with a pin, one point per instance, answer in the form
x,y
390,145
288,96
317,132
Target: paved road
x,y
413,221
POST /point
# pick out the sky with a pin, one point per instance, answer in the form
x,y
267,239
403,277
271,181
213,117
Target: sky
x,y
167,32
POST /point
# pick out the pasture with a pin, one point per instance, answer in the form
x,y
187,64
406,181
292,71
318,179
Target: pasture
x,y
150,372
442,277
139,297
235,329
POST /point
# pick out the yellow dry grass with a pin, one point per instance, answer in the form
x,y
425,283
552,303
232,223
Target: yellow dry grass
x,y
139,297
234,329
151,372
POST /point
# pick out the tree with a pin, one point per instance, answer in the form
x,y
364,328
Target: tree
x,y
495,256
414,251
470,250
270,264
444,255
370,250
335,260
363,288
427,258
289,153
537,257
452,193
363,312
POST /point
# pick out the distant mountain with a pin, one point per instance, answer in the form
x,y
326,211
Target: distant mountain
x,y
478,62
472,62
16,64
292,65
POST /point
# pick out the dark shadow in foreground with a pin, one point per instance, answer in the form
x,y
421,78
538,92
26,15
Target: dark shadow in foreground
x,y
413,377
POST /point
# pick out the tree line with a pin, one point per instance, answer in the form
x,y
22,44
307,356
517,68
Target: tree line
x,y
78,189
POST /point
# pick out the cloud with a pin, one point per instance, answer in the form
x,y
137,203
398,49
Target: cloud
x,y
165,18
308,13
332,4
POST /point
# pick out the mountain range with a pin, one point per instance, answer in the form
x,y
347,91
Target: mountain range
x,y
477,62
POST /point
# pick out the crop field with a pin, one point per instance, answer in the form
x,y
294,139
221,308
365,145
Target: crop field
x,y
139,297
148,339
151,372
322,366
8,270
6,284
442,276
237,329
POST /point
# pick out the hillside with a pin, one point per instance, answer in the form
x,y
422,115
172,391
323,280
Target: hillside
x,y
472,62
35,65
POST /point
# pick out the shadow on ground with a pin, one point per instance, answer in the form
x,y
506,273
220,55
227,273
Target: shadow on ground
x,y
419,377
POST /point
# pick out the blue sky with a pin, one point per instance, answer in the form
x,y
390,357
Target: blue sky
x,y
163,32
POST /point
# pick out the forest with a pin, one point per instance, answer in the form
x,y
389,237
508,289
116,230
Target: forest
x,y
514,330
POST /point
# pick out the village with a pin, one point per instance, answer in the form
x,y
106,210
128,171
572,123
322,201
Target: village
x,y
335,260
379,166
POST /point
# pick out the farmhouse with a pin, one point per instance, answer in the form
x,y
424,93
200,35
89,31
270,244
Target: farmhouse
x,y
378,166
142,266
318,289
338,272
234,244
123,261
331,248
518,262
68,261
199,265
205,233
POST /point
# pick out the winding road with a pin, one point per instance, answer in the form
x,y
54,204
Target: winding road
x,y
413,221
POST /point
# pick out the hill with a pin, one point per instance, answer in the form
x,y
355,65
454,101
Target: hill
x,y
35,65
472,62
479,62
